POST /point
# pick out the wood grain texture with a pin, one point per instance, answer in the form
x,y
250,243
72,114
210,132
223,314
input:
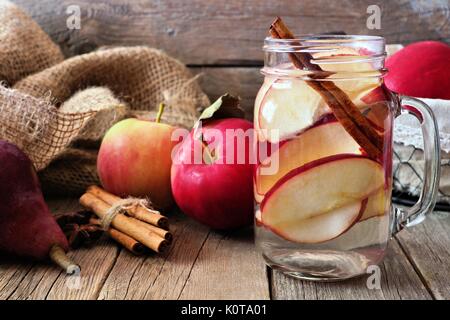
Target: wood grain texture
x,y
428,246
155,276
12,273
96,263
398,281
243,82
228,267
209,265
229,32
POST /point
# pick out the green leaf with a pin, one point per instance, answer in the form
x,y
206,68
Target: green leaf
x,y
227,106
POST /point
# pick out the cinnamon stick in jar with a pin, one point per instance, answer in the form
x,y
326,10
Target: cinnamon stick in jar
x,y
148,215
125,224
345,111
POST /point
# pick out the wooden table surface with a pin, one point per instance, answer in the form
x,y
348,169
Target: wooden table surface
x,y
204,264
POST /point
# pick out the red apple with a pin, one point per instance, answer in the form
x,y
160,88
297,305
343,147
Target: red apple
x,y
215,192
135,160
420,70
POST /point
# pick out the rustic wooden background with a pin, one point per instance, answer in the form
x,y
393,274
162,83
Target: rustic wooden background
x,y
223,39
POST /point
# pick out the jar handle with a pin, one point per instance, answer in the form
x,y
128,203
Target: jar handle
x,y
431,147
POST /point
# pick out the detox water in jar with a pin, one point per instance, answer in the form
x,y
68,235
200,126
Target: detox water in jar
x,y
323,180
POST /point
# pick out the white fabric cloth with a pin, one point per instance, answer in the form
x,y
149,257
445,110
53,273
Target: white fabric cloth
x,y
407,129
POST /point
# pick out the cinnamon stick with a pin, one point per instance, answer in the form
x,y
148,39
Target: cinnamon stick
x,y
127,225
151,216
345,111
160,232
126,241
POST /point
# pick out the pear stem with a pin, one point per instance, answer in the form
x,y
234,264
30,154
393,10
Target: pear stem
x,y
160,112
59,257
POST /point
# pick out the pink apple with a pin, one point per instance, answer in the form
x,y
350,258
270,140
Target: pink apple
x,y
215,192
135,160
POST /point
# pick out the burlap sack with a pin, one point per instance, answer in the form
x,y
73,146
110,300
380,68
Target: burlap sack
x,y
24,47
71,172
59,110
142,77
109,110
36,126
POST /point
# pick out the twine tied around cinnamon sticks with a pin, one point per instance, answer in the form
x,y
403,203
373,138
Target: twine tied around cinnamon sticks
x,y
132,222
121,207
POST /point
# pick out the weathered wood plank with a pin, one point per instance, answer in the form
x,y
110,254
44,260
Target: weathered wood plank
x,y
228,267
12,272
44,281
398,281
157,277
228,32
243,82
427,246
96,264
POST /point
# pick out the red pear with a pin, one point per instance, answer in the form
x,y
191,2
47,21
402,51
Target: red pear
x,y
27,228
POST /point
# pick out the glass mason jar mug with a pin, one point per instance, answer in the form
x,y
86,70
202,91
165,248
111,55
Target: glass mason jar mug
x,y
324,123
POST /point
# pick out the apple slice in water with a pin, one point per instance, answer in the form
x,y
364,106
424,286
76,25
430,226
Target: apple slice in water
x,y
332,188
323,227
379,94
258,197
377,103
268,81
323,140
373,231
376,205
289,106
344,61
258,221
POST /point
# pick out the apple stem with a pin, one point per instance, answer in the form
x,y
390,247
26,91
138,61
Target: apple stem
x,y
160,112
59,257
208,157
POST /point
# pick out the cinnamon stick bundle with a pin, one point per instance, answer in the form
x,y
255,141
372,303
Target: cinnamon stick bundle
x,y
129,226
144,214
126,241
345,111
